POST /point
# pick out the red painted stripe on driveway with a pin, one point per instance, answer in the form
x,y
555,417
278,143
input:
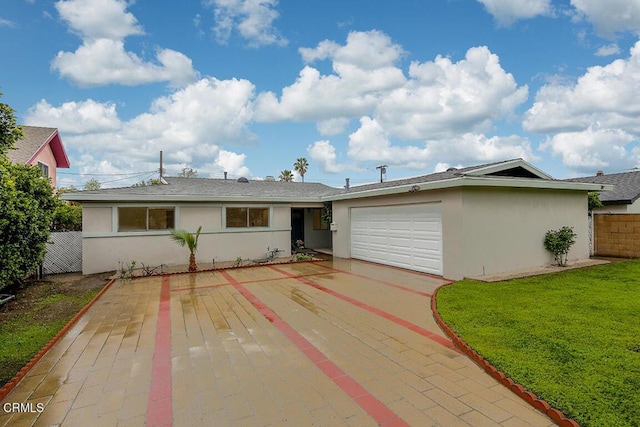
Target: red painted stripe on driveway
x,y
384,282
160,404
395,319
376,409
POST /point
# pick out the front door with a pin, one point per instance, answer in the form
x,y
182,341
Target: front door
x,y
297,225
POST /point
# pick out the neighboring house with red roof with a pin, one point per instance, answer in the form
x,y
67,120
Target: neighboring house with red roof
x,y
41,147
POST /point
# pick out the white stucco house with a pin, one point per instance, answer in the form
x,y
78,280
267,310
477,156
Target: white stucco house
x,y
485,219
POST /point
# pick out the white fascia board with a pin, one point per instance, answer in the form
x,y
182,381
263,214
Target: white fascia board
x,y
127,198
474,181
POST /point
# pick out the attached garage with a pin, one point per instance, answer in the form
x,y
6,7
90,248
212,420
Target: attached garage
x,y
481,220
406,236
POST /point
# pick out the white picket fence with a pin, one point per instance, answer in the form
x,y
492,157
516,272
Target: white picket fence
x,y
64,253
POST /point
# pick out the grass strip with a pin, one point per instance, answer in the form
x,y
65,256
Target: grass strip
x,y
572,338
24,336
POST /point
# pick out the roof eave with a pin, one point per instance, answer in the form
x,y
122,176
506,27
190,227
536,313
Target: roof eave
x,y
127,198
59,153
509,165
473,181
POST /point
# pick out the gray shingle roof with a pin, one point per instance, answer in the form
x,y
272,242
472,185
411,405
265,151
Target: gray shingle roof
x,y
26,148
626,190
207,189
433,177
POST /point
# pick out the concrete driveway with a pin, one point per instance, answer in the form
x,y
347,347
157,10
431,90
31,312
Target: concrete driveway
x,y
331,343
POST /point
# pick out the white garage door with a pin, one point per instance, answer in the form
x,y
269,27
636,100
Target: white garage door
x,y
407,236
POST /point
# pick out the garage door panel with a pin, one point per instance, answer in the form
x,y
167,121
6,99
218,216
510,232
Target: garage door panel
x,y
407,236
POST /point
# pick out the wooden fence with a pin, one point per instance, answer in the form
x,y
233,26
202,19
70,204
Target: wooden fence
x,y
64,253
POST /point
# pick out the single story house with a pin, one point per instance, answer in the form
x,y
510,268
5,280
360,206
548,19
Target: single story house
x,y
479,220
624,197
41,147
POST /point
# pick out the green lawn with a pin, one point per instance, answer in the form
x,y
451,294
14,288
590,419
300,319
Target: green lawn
x,y
572,338
23,336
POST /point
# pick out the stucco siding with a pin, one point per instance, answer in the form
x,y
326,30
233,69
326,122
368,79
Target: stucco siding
x,y
209,217
97,219
452,235
315,239
104,248
487,230
504,229
615,209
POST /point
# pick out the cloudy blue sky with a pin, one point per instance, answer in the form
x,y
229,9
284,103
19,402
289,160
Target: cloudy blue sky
x,y
248,86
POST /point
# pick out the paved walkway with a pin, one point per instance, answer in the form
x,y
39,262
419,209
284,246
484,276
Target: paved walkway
x,y
332,343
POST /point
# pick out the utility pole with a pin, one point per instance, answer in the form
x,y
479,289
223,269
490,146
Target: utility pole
x,y
383,170
160,165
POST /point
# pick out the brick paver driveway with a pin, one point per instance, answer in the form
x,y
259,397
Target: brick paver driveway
x,y
332,343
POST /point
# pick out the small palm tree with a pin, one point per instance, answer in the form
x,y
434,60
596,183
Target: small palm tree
x,y
301,165
183,237
286,176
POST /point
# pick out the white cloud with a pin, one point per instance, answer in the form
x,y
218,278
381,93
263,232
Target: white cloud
x,y
332,126
99,19
191,126
75,117
594,149
506,12
7,23
608,50
253,19
103,61
324,153
364,70
607,95
611,16
102,58
444,98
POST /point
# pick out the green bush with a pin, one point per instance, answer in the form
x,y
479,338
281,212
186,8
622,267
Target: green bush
x,y
558,242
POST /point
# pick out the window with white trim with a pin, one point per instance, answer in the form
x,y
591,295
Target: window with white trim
x,y
245,217
145,219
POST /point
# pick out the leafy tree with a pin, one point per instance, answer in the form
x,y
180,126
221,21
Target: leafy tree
x,y
10,132
92,184
183,237
67,216
558,242
301,165
147,183
26,213
594,201
188,173
286,176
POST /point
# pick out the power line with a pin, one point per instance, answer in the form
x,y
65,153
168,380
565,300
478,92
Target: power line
x,y
107,174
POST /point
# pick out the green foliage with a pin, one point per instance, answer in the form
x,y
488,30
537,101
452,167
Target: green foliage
x,y
594,201
92,184
238,262
327,213
301,166
188,173
67,216
183,237
558,242
569,337
10,132
286,176
147,183
126,271
26,212
303,257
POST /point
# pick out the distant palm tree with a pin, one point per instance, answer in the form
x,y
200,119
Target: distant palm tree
x,y
286,176
183,237
301,165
